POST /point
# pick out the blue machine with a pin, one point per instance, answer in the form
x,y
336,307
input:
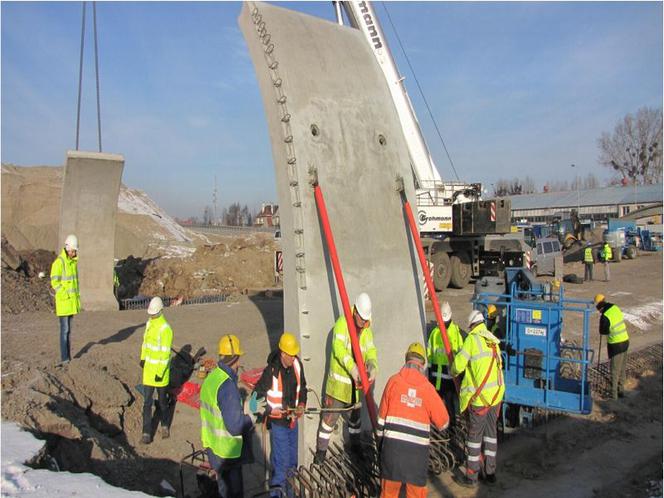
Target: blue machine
x,y
532,348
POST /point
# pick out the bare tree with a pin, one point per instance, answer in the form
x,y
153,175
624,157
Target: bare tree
x,y
513,187
590,181
233,215
634,149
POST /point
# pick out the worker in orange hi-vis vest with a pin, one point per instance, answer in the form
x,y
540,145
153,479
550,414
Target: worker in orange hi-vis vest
x,y
409,406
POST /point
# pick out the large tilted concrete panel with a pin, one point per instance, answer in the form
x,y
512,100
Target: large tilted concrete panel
x,y
88,209
328,107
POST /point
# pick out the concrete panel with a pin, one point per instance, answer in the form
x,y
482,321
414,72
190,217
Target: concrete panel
x,y
328,106
88,209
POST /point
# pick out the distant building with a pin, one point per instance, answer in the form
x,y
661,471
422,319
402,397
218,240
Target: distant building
x,y
268,216
597,204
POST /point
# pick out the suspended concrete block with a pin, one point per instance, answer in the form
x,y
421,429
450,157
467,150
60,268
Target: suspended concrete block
x,y
88,209
328,107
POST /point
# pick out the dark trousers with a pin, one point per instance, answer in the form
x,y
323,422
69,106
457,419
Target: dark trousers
x,y
448,394
481,441
329,419
283,456
618,363
65,331
162,396
588,274
229,475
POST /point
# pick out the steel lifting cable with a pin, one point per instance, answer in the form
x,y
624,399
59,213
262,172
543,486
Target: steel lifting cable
x,y
80,75
417,82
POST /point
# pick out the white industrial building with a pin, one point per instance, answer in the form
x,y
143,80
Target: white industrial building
x,y
597,204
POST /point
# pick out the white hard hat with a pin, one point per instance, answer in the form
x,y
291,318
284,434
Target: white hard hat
x,y
71,242
475,316
363,306
156,305
446,311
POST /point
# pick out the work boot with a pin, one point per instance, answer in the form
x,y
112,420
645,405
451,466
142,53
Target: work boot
x,y
165,433
490,479
464,480
319,457
146,439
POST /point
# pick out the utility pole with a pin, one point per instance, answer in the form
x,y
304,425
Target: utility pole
x,y
214,201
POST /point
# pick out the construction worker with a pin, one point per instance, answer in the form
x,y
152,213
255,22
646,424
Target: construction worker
x,y
156,362
481,393
606,256
439,374
224,424
612,324
285,387
589,261
343,380
492,321
64,281
408,407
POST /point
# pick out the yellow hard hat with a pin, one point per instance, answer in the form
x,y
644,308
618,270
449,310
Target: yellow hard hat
x,y
599,298
491,311
288,344
417,348
229,345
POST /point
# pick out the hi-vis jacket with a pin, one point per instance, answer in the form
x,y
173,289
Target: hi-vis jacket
x,y
607,253
480,358
339,381
588,255
436,352
282,388
409,405
64,281
156,351
616,328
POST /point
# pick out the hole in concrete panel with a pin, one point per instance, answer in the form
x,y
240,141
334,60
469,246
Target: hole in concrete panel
x,y
314,130
382,140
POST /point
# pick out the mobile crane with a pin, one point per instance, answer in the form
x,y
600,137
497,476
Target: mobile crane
x,y
463,235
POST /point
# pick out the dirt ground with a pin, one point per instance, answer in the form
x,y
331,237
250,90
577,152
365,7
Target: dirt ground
x,y
90,410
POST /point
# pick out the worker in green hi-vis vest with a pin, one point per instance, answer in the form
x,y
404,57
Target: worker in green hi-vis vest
x,y
223,420
612,324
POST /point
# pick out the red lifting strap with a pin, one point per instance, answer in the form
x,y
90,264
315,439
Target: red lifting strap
x,y
432,290
355,343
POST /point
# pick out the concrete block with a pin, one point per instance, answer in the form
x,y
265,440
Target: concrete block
x,y
328,107
88,208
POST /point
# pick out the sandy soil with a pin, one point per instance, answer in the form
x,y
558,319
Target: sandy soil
x,y
90,410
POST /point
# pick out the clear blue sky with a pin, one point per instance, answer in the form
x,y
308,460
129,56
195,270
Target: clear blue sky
x,y
517,88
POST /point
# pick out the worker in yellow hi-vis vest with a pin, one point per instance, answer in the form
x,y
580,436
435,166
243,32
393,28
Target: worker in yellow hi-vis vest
x,y
156,363
589,262
612,324
64,281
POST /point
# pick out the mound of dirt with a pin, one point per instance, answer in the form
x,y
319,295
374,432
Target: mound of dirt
x,y
233,266
31,213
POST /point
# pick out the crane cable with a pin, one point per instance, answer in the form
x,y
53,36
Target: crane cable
x,y
435,124
80,75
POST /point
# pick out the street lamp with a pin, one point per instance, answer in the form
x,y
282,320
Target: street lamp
x,y
578,194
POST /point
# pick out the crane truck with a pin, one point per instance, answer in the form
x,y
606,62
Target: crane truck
x,y
464,236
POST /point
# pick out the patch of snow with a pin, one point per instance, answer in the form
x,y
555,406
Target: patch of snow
x,y
643,316
135,201
620,293
19,446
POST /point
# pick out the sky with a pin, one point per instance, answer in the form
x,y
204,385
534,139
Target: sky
x,y
516,88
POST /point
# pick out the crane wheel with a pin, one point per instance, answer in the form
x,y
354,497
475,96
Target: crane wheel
x,y
461,270
442,270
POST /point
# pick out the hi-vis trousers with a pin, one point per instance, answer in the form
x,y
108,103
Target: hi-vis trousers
x,y
482,440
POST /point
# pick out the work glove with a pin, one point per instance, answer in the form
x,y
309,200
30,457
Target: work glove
x,y
355,374
254,406
142,363
371,372
299,411
157,378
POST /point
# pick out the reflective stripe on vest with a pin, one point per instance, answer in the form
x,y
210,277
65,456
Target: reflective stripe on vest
x,y
214,434
275,395
617,326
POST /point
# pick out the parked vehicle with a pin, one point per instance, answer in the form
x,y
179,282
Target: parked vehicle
x,y
544,259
